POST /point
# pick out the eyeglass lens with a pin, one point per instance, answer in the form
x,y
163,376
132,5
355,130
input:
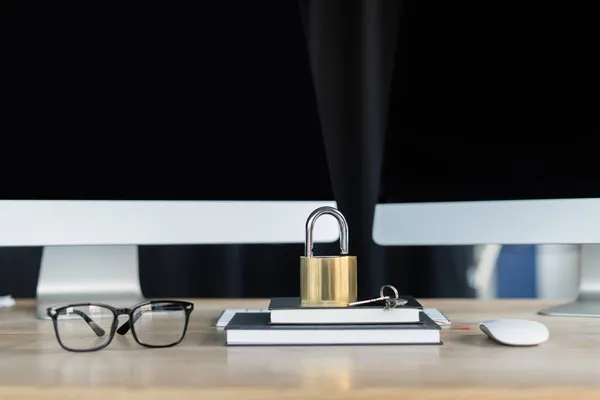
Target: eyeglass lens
x,y
84,327
159,324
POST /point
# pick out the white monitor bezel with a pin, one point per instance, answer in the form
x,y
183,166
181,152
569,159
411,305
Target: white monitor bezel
x,y
117,222
554,221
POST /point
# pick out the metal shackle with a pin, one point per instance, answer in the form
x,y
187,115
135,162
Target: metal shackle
x,y
310,224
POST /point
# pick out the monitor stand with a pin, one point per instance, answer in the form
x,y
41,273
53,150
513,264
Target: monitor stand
x,y
83,274
587,303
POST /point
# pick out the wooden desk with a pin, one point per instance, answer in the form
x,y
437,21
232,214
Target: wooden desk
x,y
32,365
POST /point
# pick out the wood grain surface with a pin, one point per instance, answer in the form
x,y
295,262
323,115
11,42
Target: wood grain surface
x,y
33,365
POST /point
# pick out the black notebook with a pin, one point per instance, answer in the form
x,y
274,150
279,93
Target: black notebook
x,y
257,329
287,310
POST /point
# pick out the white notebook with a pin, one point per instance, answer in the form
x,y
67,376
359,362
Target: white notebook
x,y
288,310
227,314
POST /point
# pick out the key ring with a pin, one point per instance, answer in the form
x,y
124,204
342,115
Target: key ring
x,y
392,302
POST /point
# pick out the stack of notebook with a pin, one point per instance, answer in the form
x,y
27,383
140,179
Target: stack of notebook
x,y
287,323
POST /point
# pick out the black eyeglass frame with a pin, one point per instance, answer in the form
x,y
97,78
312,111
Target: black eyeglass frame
x,y
53,313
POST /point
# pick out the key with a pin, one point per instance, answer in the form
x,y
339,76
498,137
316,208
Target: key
x,y
393,303
358,303
390,302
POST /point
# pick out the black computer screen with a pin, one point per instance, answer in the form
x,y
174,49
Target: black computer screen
x,y
197,102
493,106
206,100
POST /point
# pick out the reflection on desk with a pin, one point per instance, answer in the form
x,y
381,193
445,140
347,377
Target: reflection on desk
x,y
468,364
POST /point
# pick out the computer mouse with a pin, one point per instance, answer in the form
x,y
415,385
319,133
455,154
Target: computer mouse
x,y
515,332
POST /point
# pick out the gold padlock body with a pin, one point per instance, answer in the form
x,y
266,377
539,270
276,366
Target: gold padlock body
x,y
328,281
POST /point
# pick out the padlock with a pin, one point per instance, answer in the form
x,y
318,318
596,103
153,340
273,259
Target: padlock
x,y
327,281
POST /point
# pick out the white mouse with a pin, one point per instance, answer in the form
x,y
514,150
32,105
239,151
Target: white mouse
x,y
515,332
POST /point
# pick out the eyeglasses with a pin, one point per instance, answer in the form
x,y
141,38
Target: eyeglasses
x,y
83,327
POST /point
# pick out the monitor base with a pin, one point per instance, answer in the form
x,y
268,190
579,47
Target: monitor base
x,y
574,309
587,303
85,274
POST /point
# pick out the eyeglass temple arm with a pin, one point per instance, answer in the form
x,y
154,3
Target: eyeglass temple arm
x,y
123,329
95,327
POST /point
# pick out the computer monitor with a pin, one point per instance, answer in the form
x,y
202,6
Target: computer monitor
x,y
136,126
489,139
453,192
